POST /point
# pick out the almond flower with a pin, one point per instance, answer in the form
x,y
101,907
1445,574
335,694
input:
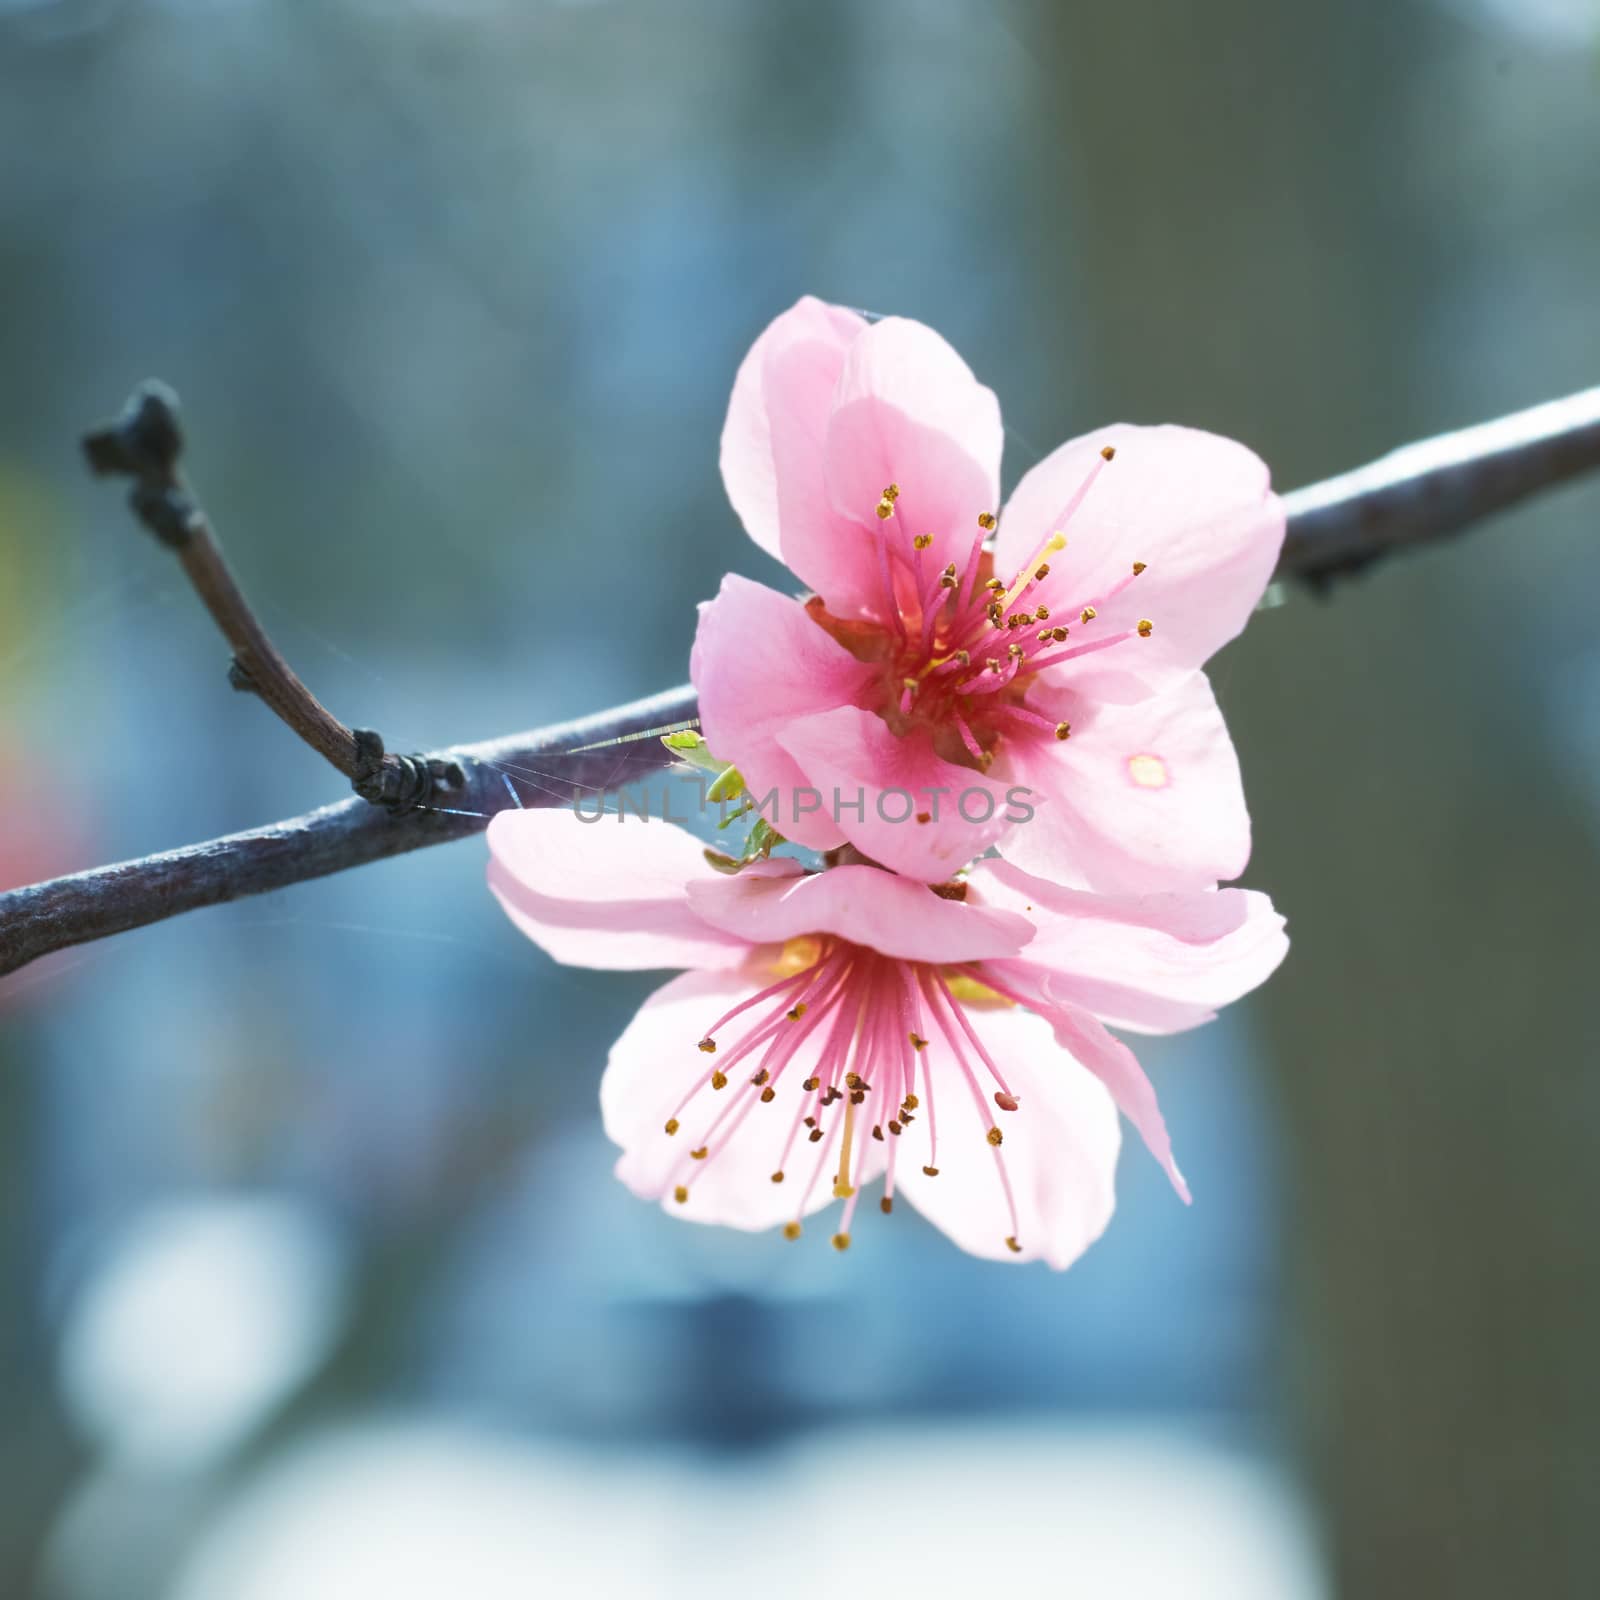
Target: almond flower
x,y
840,1026
1064,660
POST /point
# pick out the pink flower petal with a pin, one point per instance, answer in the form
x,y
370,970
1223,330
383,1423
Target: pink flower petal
x,y
759,663
1116,1066
608,893
1197,509
1144,798
1060,1151
853,754
907,411
1157,963
656,1063
778,417
894,916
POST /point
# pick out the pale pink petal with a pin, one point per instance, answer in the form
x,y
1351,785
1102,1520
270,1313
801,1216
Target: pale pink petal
x,y
1116,1066
759,664
1156,963
778,417
857,763
1197,509
657,1063
908,411
608,893
1060,1150
893,915
1143,799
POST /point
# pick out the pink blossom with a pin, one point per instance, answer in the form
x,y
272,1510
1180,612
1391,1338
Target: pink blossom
x,y
842,1026
1064,659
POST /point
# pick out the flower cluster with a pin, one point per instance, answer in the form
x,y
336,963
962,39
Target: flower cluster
x,y
917,1008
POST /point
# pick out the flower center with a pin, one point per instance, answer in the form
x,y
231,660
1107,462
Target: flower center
x,y
852,1046
960,648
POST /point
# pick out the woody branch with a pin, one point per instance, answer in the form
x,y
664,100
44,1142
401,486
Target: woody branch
x,y
1336,529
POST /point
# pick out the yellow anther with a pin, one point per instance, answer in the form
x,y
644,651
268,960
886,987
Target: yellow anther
x,y
719,1080
791,1230
1138,567
853,1079
1041,614
777,1177
1146,627
892,493
986,521
1012,1245
680,1194
917,1043
1063,730
708,1044
809,1084
1109,451
672,1124
911,1102
885,510
701,1153
842,1191
1088,614
1058,634
841,1241
921,541
796,1011
995,585
995,1137
1014,650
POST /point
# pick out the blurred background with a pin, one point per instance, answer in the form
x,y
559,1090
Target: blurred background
x,y
313,1278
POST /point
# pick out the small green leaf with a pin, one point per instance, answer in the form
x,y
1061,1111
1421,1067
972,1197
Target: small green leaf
x,y
729,785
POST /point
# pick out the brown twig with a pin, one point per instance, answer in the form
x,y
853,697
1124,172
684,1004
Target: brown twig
x,y
1425,492
146,444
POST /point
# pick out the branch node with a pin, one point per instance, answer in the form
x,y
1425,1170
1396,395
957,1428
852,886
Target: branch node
x,y
399,783
239,677
144,443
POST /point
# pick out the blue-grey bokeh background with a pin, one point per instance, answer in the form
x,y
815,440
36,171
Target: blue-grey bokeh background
x,y
314,1279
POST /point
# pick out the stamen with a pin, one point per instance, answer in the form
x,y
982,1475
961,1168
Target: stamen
x,y
986,521
709,1045
672,1124
1006,1102
1146,627
791,1230
680,1194
1138,567
1063,730
841,1241
1088,614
